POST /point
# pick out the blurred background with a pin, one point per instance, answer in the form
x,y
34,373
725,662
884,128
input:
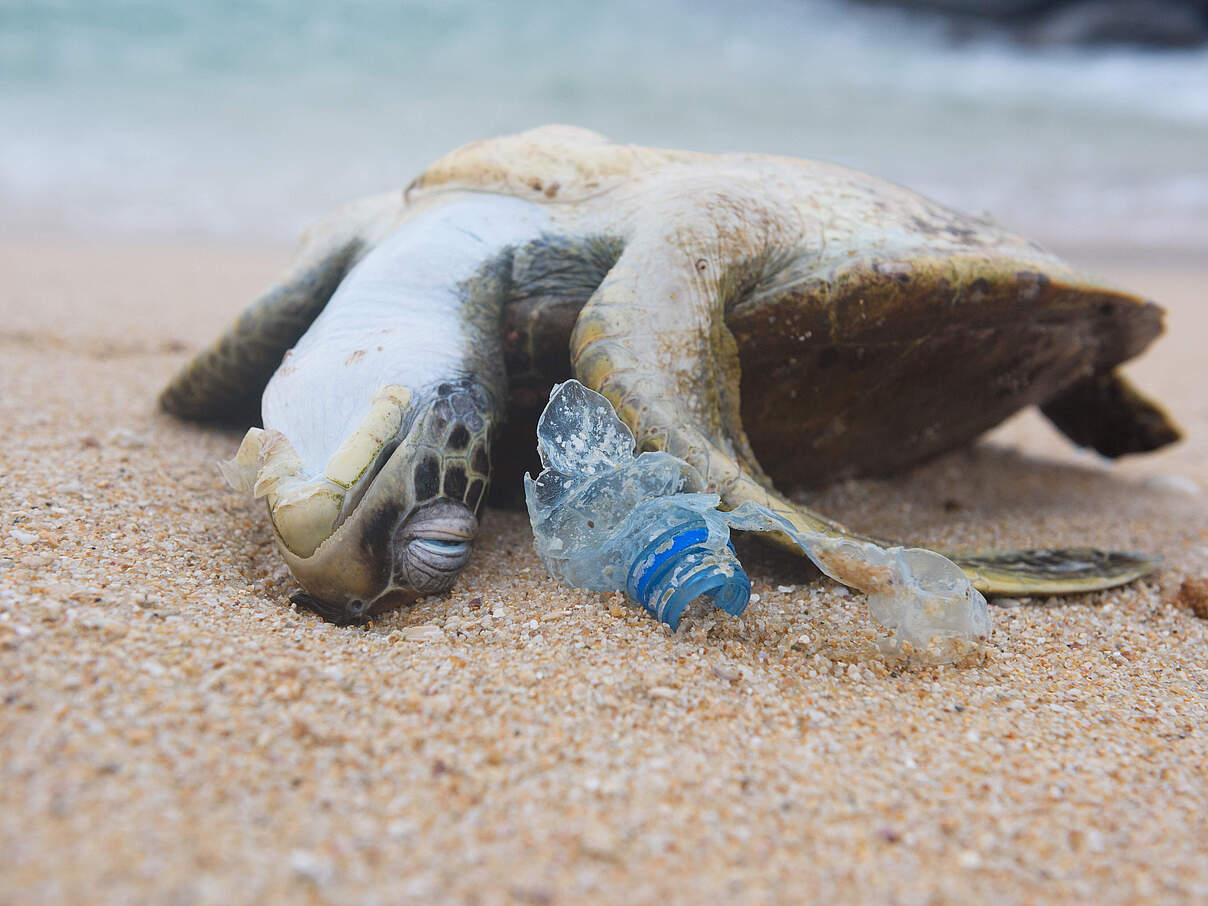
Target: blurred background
x,y
245,120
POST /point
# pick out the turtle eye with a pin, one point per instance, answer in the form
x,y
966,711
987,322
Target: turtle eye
x,y
431,564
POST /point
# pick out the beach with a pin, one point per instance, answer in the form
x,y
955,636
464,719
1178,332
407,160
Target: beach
x,y
174,731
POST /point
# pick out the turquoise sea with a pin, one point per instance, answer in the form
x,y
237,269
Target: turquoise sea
x,y
229,119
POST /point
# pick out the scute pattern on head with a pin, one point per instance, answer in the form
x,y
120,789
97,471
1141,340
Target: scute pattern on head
x,y
458,435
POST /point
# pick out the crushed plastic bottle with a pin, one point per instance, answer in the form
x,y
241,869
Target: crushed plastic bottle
x,y
607,519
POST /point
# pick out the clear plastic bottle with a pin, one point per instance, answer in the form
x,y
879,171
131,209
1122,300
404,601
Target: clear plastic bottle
x,y
608,520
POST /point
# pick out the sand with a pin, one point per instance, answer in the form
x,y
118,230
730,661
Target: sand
x,y
173,731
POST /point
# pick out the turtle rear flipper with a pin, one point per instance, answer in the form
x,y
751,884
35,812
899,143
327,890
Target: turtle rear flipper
x,y
653,340
1052,572
1106,413
223,383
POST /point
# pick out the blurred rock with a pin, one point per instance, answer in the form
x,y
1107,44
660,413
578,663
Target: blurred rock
x,y
1161,23
978,9
1157,23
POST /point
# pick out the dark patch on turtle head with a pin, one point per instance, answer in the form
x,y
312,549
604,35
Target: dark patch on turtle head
x,y
459,438
427,477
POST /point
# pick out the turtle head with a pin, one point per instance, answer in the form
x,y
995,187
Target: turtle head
x,y
407,525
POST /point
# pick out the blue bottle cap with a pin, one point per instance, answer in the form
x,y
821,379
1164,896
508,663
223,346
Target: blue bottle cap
x,y
676,568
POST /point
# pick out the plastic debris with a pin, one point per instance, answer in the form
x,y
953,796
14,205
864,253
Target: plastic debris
x,y
607,519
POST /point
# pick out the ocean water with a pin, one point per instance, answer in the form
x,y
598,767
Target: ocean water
x,y
248,119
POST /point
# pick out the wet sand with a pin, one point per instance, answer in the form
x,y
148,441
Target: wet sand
x,y
174,732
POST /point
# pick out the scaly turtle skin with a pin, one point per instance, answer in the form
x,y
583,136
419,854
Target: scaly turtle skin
x,y
769,320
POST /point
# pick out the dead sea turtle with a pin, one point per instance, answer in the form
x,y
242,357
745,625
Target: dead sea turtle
x,y
771,321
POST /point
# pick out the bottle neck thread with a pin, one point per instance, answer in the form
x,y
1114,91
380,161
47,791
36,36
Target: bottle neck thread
x,y
677,567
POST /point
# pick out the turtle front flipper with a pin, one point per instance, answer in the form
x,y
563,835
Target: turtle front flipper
x,y
652,339
224,381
